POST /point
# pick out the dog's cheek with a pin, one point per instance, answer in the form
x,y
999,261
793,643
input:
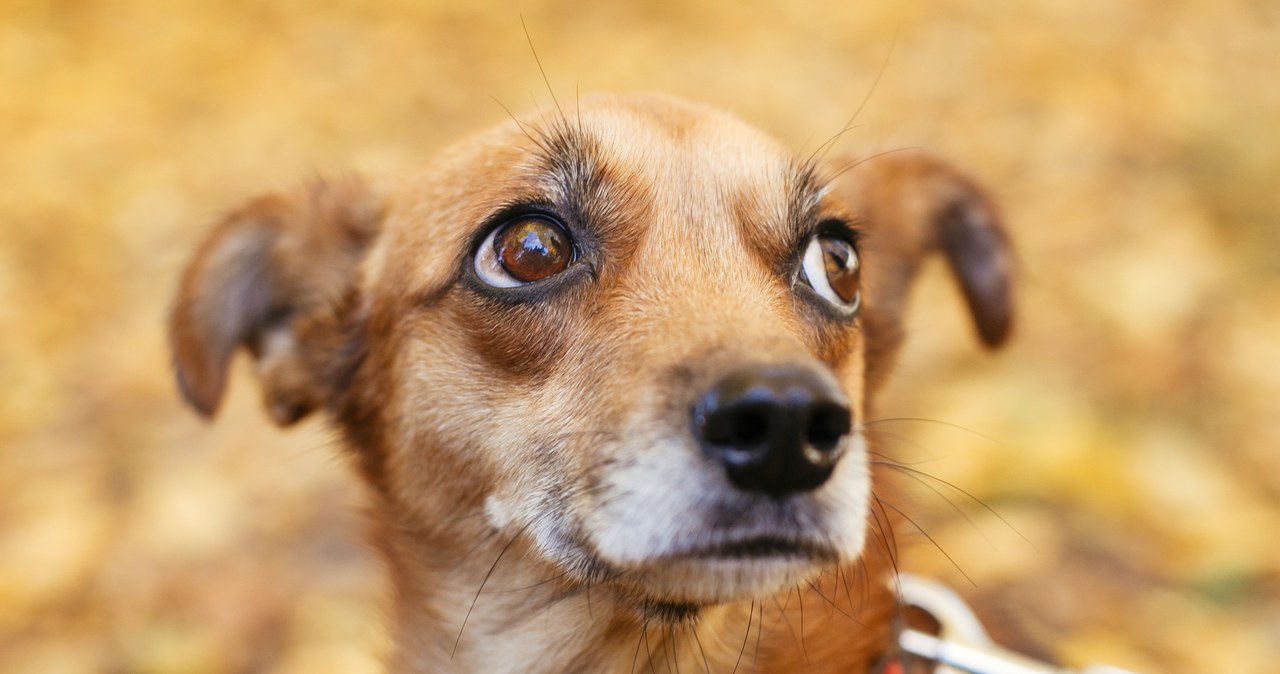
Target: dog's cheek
x,y
477,396
518,343
433,411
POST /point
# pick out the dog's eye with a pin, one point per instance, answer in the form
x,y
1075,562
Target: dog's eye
x,y
831,267
523,251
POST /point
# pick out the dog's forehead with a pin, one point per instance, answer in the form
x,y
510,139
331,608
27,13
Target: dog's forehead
x,y
625,163
675,142
699,175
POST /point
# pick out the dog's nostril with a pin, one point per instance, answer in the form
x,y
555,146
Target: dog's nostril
x,y
750,427
827,426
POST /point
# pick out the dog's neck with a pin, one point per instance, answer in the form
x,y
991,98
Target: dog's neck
x,y
491,607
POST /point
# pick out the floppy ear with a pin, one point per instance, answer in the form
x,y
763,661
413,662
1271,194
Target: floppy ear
x,y
277,276
913,205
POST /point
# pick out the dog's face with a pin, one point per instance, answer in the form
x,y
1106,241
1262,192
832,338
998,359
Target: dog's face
x,y
565,305
634,337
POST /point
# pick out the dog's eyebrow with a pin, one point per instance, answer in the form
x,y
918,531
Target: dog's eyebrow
x,y
780,220
806,187
568,156
576,178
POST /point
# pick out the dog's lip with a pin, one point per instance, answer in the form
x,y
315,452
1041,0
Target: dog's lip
x,y
758,547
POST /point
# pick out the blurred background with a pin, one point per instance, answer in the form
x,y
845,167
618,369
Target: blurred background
x,y
1125,444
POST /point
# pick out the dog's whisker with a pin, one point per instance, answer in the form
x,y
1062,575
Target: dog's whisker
x,y
577,106
525,588
780,617
842,580
939,422
863,582
800,603
751,614
755,659
639,640
480,589
928,480
888,436
768,628
822,149
831,602
819,153
878,455
669,656
932,541
706,664
884,534
541,70
835,175
919,478
536,140
479,544
648,652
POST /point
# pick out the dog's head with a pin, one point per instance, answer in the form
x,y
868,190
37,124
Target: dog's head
x,y
639,337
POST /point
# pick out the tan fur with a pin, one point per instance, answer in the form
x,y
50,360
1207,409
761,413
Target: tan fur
x,y
529,461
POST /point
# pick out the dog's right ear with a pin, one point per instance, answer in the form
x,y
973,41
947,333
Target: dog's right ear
x,y
279,277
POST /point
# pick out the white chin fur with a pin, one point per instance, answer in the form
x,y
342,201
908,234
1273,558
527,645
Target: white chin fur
x,y
711,581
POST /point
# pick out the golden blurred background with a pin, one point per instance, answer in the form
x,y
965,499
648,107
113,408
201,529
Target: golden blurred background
x,y
1127,440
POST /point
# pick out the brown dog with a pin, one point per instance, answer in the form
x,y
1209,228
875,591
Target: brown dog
x,y
605,374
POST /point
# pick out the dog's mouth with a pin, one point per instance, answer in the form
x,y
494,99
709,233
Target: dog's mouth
x,y
760,548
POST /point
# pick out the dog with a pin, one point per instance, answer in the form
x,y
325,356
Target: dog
x,y
606,374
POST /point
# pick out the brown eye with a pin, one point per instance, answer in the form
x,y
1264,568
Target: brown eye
x,y
524,251
841,263
532,249
832,268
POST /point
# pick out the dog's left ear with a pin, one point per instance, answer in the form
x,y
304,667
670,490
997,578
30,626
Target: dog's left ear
x,y
278,276
912,205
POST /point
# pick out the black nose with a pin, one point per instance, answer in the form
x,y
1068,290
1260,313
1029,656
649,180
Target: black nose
x,y
775,428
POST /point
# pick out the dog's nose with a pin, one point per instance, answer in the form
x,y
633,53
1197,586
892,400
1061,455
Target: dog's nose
x,y
776,429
